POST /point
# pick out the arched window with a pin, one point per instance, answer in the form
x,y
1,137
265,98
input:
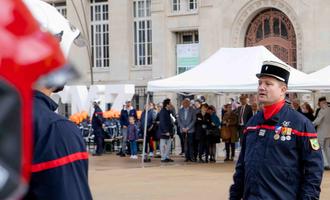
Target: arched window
x,y
273,29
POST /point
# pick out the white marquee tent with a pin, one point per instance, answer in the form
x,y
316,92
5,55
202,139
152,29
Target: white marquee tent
x,y
232,70
323,80
227,70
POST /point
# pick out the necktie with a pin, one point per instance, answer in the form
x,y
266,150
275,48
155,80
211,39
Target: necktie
x,y
241,115
185,114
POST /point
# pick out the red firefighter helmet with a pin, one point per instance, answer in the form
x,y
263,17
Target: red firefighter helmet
x,y
26,53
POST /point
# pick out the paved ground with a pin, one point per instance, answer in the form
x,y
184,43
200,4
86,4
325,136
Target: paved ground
x,y
115,178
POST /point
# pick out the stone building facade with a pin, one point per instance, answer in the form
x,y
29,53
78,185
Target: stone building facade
x,y
136,41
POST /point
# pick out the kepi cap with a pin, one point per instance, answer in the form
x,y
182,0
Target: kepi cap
x,y
275,69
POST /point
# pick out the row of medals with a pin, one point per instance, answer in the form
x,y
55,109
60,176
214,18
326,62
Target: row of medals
x,y
285,135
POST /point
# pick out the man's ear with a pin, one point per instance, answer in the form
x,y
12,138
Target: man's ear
x,y
284,88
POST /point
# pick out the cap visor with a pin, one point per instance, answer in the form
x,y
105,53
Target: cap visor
x,y
271,75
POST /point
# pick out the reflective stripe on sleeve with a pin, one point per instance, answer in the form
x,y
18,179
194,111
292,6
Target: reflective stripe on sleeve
x,y
59,162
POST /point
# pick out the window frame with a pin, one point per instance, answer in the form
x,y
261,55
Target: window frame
x,y
176,6
61,8
142,33
193,3
100,34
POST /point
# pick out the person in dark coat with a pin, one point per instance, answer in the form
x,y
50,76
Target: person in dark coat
x,y
150,130
156,129
214,132
203,123
60,161
244,113
307,111
166,131
280,156
97,125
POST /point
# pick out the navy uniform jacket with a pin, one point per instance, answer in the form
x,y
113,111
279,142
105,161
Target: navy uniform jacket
x,y
60,161
165,123
97,121
149,119
271,167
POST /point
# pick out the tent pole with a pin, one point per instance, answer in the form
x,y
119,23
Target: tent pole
x,y
145,129
314,99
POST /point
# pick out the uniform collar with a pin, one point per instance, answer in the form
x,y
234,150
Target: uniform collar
x,y
271,110
47,100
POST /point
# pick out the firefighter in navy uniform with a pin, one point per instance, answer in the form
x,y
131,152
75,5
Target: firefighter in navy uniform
x,y
280,156
97,125
60,162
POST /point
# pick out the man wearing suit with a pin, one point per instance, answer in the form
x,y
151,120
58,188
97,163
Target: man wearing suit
x,y
186,121
244,113
322,122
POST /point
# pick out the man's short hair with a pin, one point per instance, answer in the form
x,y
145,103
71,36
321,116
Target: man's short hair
x,y
204,105
186,100
243,96
322,99
166,102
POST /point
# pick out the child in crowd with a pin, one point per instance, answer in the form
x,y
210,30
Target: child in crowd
x,y
132,136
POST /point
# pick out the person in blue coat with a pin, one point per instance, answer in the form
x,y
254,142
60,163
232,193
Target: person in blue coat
x,y
60,161
214,132
150,132
280,156
127,111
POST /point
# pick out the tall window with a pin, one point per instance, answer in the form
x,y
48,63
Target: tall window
x,y
176,5
142,33
100,33
184,6
61,7
192,4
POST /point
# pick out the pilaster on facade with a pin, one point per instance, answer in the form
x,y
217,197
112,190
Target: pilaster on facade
x,y
206,3
157,6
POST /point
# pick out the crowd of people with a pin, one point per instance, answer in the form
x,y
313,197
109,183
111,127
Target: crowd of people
x,y
198,126
277,131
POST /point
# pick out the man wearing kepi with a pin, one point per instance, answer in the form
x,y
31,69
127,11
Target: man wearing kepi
x,y
280,156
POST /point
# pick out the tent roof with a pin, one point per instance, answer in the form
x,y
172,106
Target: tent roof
x,y
227,70
318,80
